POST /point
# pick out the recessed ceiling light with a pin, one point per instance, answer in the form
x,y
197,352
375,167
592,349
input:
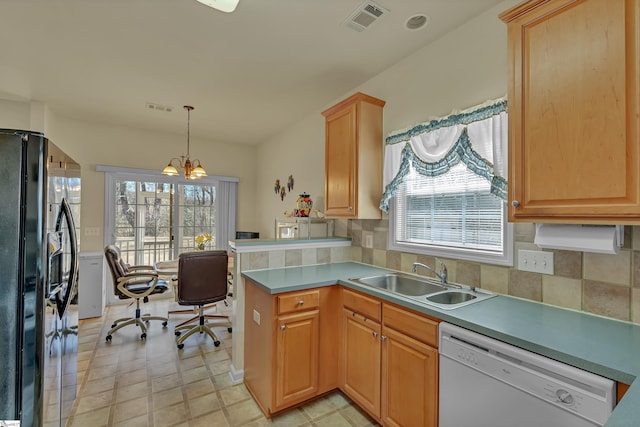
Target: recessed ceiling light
x,y
416,22
223,5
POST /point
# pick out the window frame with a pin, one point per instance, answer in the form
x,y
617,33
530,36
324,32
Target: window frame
x,y
504,258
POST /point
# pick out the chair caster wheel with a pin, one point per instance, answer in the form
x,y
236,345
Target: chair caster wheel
x,y
164,324
109,338
216,343
180,346
229,330
143,336
178,333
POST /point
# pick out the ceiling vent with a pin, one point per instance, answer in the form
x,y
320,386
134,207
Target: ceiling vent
x,y
365,16
152,106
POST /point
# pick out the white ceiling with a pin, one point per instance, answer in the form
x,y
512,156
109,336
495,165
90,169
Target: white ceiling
x,y
249,74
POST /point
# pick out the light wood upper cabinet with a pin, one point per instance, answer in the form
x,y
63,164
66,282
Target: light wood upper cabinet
x,y
353,158
574,145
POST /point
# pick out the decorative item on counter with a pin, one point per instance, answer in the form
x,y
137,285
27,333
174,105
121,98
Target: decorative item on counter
x,y
276,186
290,183
202,240
304,204
283,192
313,213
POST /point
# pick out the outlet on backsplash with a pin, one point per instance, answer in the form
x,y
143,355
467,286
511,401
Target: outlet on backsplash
x,y
535,261
367,239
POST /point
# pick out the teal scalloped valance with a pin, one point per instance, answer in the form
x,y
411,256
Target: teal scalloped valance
x,y
468,137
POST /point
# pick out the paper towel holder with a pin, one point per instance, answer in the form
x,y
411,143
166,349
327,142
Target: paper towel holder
x,y
605,239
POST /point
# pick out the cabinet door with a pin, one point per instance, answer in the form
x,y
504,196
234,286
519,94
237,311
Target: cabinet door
x,y
340,163
409,381
297,358
574,111
361,370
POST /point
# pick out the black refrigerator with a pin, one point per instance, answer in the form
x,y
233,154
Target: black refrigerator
x,y
39,219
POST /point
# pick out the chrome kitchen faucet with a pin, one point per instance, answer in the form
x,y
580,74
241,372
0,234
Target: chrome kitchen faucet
x,y
443,270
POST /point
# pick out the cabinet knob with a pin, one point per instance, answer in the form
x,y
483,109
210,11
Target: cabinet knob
x,y
383,338
301,302
283,327
375,334
515,203
350,208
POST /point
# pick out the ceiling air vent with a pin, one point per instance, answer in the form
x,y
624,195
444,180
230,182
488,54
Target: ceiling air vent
x,y
152,106
364,16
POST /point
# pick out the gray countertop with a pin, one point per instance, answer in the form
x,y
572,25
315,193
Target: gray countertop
x,y
597,344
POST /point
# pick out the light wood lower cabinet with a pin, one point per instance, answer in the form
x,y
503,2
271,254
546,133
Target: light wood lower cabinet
x,y
361,361
409,373
390,361
299,345
290,353
297,340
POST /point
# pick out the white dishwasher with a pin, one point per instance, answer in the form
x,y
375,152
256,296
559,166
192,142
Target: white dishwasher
x,y
488,383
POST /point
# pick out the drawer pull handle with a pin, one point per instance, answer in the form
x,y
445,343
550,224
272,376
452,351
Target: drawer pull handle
x,y
301,302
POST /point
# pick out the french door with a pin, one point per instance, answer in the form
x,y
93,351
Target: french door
x,y
154,220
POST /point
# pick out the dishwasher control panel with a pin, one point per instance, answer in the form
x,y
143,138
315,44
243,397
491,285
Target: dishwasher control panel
x,y
586,394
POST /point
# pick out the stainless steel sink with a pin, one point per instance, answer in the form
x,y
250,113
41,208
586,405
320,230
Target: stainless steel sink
x,y
425,290
403,284
451,297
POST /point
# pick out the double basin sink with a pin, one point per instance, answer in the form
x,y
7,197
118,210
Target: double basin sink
x,y
425,290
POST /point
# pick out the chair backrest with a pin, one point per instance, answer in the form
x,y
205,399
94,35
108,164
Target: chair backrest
x,y
117,267
202,277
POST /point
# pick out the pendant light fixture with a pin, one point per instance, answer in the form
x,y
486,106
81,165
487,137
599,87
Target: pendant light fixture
x,y
192,168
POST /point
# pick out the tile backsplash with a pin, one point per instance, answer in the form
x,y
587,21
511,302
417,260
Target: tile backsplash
x,y
607,285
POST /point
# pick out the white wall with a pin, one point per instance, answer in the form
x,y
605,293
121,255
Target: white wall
x,y
91,144
461,69
94,143
24,115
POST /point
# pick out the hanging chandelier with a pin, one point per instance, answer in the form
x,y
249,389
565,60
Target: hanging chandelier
x,y
192,168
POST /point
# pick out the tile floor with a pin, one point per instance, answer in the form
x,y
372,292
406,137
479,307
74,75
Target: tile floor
x,y
129,382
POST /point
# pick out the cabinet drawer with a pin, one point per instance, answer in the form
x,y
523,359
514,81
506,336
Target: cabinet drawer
x,y
410,324
298,301
368,307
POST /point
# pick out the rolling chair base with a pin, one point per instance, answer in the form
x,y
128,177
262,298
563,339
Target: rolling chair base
x,y
138,320
201,327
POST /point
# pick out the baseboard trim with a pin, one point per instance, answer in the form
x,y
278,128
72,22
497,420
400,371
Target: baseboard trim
x,y
236,376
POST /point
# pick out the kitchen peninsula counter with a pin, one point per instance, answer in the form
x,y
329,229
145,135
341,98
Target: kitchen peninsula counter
x,y
607,347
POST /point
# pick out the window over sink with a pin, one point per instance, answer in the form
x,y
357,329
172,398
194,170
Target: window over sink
x,y
445,191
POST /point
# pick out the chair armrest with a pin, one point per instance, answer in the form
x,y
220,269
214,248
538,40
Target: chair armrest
x,y
141,267
136,278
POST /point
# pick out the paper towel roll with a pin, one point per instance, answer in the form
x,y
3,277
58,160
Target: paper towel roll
x,y
604,239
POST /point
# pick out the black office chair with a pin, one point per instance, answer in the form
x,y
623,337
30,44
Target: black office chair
x,y
137,282
202,280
